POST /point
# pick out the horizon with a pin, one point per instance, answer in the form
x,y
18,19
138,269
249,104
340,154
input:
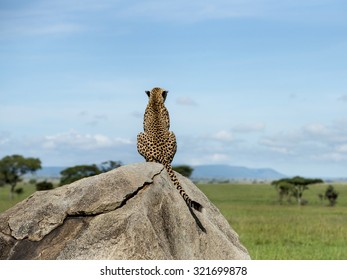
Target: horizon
x,y
252,83
233,166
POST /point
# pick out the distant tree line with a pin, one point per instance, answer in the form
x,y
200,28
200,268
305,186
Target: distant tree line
x,y
78,172
14,167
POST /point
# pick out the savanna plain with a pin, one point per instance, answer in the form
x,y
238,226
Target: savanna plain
x,y
268,229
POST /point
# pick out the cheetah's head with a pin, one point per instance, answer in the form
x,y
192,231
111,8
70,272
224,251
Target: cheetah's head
x,y
157,94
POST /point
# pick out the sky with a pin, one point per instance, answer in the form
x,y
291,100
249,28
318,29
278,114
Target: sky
x,y
255,83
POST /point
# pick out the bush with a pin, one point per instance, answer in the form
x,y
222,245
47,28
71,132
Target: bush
x,y
44,186
331,195
19,191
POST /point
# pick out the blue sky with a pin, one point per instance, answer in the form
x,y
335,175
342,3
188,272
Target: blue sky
x,y
257,83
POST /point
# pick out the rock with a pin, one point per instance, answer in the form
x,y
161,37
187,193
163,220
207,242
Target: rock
x,y
132,212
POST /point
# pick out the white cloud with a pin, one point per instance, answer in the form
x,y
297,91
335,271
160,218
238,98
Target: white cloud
x,y
217,158
342,148
233,135
316,129
72,147
223,135
3,140
73,139
208,158
275,146
316,141
328,157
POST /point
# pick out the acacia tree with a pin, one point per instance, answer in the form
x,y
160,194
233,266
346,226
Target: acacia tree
x,y
109,165
78,172
283,190
12,168
296,186
184,170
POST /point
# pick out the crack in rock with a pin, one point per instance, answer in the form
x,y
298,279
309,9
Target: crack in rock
x,y
112,207
37,234
133,194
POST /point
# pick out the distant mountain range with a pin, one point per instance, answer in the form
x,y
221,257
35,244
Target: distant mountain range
x,y
234,172
206,172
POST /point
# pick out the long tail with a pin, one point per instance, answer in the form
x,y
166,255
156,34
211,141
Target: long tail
x,y
196,205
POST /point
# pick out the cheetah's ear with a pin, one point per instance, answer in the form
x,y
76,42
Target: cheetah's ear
x,y
165,94
148,93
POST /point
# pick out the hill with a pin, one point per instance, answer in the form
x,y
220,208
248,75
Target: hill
x,y
234,172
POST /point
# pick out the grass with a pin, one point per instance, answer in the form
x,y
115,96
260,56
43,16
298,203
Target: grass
x,y
6,202
268,230
271,231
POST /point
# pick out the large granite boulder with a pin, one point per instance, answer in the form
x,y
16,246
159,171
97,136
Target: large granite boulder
x,y
132,212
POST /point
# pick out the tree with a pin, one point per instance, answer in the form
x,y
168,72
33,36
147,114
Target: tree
x,y
300,184
184,170
283,190
12,168
109,165
296,186
331,195
78,172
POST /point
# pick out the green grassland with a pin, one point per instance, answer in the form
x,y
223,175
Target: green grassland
x,y
267,229
288,231
6,202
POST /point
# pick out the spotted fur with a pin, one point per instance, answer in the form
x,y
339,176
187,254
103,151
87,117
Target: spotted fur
x,y
157,143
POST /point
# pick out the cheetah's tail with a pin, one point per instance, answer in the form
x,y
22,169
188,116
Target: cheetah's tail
x,y
196,205
193,204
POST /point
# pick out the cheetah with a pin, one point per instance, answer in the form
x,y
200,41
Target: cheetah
x,y
157,143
